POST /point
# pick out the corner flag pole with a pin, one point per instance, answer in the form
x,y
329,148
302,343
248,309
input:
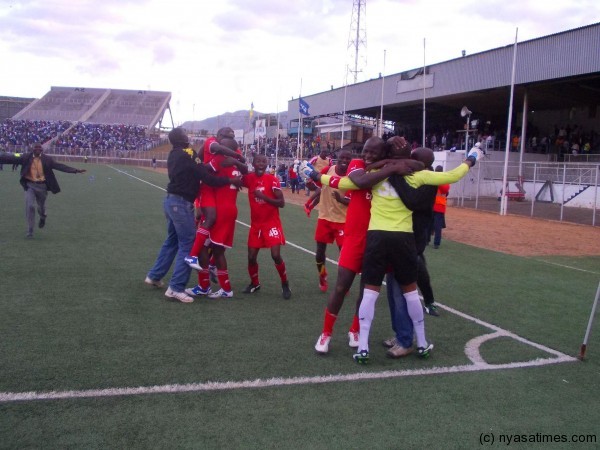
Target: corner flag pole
x,y
589,327
504,198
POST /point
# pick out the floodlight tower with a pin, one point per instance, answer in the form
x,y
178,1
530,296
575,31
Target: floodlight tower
x,y
357,39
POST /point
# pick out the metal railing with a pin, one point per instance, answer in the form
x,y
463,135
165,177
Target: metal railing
x,y
567,192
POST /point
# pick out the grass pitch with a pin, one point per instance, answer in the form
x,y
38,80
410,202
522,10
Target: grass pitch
x,y
77,320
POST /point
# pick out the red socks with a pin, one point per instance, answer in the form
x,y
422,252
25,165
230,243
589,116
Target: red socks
x,y
281,271
329,322
203,279
253,272
201,236
223,276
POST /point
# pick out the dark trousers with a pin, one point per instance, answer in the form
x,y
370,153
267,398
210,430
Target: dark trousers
x,y
439,222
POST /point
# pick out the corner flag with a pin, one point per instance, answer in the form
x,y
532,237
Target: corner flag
x,y
303,107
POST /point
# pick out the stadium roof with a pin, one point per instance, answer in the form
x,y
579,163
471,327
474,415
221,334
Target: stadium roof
x,y
557,72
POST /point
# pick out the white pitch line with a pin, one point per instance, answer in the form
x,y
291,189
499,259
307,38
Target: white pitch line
x,y
472,347
296,246
565,266
136,178
504,332
6,397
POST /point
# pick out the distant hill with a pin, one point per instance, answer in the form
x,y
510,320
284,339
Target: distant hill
x,y
237,120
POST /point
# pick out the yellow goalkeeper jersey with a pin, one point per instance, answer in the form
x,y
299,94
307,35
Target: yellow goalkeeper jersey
x,y
388,212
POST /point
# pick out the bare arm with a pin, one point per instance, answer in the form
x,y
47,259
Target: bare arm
x,y
366,180
218,149
379,164
278,201
340,199
228,162
202,173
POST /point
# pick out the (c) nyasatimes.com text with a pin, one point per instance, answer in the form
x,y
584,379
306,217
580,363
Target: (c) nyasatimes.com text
x,y
490,438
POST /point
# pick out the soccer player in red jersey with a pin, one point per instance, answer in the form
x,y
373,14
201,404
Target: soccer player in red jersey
x,y
213,146
265,197
332,216
221,234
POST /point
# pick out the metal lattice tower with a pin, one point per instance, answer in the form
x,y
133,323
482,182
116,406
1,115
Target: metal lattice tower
x,y
357,40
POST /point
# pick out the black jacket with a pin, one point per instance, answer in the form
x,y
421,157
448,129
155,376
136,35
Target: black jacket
x,y
420,201
48,164
186,171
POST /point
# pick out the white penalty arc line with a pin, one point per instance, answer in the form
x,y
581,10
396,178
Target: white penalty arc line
x,y
503,332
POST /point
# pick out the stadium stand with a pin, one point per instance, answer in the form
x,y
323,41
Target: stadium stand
x,y
99,106
76,118
10,106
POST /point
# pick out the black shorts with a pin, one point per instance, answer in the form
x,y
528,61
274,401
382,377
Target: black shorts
x,y
389,250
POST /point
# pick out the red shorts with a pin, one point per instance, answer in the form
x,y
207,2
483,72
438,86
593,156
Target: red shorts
x,y
327,232
224,228
351,255
266,235
207,196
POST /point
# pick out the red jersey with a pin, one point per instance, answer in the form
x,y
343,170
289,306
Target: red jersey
x,y
359,208
225,202
226,195
207,156
261,211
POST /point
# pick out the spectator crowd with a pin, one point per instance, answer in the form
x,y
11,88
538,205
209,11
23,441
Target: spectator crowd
x,y
17,135
97,137
23,133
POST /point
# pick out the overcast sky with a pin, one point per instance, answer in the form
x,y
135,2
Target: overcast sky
x,y
219,56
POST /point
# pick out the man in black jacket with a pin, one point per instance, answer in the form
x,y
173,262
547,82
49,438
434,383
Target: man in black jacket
x,y
37,178
185,174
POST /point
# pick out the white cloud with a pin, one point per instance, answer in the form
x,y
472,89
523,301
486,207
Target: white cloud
x,y
219,56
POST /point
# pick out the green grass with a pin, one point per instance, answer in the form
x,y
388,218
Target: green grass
x,y
76,315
